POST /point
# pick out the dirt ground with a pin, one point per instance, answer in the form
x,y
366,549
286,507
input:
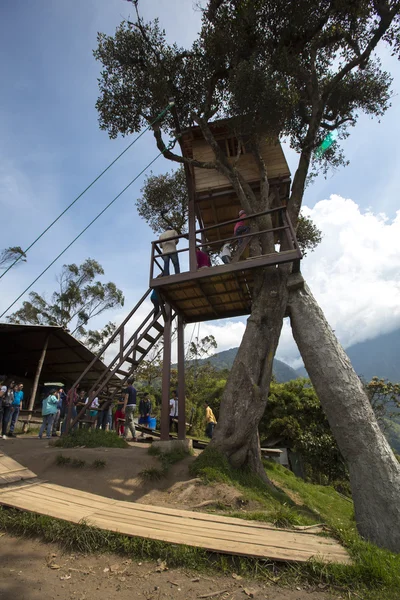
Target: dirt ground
x,y
26,571
31,570
119,478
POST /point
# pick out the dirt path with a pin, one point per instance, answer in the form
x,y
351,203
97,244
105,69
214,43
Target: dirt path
x,y
31,570
120,479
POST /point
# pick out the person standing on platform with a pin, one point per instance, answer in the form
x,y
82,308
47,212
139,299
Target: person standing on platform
x,y
240,227
144,411
173,412
129,409
155,298
61,408
211,421
168,247
70,406
16,407
203,260
226,254
49,411
3,391
102,413
7,401
118,415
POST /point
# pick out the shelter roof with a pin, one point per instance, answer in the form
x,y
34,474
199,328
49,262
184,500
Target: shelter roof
x,y
66,358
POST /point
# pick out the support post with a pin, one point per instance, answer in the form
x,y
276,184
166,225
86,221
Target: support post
x,y
191,223
38,372
166,375
181,381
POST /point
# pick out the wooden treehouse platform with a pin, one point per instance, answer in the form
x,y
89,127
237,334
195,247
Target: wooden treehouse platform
x,y
215,533
222,290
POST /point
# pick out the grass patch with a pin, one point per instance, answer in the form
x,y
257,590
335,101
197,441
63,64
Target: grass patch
x,y
375,573
78,463
154,451
91,438
212,467
152,474
62,460
99,463
167,459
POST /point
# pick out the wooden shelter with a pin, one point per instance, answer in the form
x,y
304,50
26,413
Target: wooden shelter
x,y
42,353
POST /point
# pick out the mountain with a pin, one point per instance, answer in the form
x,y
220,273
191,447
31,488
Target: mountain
x,y
224,360
379,356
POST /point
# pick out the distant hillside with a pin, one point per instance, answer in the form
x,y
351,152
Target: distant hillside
x,y
379,356
224,360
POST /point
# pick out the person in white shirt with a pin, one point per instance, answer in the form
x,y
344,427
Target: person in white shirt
x,y
168,247
226,254
173,412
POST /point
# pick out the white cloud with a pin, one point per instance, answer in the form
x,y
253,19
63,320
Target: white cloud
x,y
355,272
354,275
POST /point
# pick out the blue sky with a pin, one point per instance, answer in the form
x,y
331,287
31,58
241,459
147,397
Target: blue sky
x,y
51,148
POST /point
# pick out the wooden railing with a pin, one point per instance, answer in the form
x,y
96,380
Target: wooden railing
x,y
288,239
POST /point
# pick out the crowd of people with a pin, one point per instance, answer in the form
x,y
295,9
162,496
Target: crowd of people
x,y
11,399
169,241
58,408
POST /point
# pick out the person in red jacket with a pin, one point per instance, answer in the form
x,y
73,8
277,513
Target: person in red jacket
x,y
240,227
203,260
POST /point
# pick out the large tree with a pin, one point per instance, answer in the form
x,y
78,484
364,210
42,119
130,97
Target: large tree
x,y
274,67
78,299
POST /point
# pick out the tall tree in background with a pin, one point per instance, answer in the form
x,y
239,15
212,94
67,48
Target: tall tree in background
x,y
79,299
303,77
9,255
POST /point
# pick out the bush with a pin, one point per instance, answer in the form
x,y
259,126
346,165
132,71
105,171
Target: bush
x,y
91,438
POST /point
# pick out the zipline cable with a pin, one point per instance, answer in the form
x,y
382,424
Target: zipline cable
x,y
170,145
162,113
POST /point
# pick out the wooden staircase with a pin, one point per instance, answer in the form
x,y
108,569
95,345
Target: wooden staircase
x,y
131,352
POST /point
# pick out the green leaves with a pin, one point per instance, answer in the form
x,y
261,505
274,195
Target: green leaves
x,y
78,299
164,201
9,255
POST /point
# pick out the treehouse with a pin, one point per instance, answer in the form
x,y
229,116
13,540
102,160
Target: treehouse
x,y
201,293
224,290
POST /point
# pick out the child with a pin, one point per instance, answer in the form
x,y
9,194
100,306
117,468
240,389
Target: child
x,y
226,254
49,411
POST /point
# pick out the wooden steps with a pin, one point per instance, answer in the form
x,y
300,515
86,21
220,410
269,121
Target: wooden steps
x,y
215,533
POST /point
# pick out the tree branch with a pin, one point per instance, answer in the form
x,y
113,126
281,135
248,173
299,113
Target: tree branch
x,y
386,19
175,157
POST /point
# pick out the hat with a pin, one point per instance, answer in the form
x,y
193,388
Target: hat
x,y
241,212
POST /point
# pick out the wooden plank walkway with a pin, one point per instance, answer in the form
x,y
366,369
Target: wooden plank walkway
x,y
215,533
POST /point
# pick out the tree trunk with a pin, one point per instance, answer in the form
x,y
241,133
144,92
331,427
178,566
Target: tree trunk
x,y
374,470
244,399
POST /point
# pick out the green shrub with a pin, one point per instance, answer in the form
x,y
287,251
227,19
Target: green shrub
x,y
91,438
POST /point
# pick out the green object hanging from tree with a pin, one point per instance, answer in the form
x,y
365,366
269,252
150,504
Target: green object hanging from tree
x,y
326,143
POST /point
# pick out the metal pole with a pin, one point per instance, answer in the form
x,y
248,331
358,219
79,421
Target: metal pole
x,y
38,372
181,381
166,375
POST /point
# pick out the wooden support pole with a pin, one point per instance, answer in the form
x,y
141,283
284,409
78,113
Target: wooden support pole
x,y
192,224
38,372
166,375
181,381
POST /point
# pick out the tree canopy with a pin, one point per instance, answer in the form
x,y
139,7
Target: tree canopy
x,y
164,201
78,299
301,76
9,255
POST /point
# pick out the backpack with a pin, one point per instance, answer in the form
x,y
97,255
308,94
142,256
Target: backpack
x,y
8,398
